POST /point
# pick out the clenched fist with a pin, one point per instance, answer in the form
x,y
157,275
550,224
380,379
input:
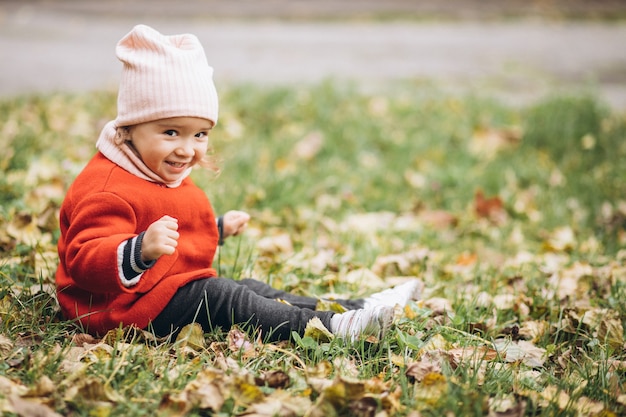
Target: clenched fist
x,y
161,238
234,222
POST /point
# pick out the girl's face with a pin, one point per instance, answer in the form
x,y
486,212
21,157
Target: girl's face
x,y
170,146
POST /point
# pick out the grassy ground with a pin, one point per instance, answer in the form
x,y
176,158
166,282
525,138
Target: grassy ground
x,y
514,218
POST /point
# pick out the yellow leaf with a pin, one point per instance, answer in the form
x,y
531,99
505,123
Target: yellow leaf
x,y
191,336
246,391
329,305
419,370
433,387
437,342
409,313
316,330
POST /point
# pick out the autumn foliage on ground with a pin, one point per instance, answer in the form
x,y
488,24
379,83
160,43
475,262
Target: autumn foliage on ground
x,y
513,217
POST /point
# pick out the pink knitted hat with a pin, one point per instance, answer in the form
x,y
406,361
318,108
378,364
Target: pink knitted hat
x,y
163,76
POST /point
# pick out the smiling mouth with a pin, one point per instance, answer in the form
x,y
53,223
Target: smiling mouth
x,y
176,164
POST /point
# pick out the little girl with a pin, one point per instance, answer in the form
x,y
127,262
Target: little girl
x,y
138,237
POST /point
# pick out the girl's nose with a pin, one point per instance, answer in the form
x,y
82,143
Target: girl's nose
x,y
185,148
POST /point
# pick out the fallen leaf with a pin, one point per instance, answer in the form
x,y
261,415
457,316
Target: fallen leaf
x,y
506,405
31,408
238,342
490,208
473,354
316,330
562,239
521,351
432,389
191,336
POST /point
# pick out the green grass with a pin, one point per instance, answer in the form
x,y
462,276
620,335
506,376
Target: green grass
x,y
352,178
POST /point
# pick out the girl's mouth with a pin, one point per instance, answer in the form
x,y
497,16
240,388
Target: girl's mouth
x,y
176,164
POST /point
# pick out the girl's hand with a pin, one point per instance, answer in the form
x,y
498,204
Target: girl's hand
x,y
161,238
234,222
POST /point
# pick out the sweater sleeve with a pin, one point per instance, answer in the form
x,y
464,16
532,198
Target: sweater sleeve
x,y
101,226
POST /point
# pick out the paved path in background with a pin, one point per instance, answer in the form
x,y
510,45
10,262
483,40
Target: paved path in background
x,y
45,49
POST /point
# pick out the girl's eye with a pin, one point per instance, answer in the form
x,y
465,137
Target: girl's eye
x,y
170,132
202,135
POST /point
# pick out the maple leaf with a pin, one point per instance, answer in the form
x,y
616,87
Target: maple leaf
x,y
490,208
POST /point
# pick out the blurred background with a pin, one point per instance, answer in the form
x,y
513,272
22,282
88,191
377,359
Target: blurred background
x,y
516,50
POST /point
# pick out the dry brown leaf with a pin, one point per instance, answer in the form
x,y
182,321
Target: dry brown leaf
x,y
239,343
9,388
174,405
506,405
418,370
473,354
31,408
91,390
80,339
274,379
606,326
363,407
205,395
6,346
533,330
42,388
521,351
490,208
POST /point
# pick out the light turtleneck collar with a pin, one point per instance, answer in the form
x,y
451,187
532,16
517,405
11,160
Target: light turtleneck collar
x,y
125,157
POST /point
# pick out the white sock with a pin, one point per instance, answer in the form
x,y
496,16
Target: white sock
x,y
400,294
356,323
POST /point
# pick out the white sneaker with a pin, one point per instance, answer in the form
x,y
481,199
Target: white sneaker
x,y
400,294
356,323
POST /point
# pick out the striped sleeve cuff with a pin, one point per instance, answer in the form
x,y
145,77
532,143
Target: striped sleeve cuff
x,y
129,264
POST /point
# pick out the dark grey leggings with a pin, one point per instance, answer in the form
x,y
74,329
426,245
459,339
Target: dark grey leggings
x,y
222,302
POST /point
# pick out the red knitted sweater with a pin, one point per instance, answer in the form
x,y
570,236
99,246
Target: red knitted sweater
x,y
106,206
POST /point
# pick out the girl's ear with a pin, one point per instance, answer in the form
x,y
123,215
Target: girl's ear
x,y
122,135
